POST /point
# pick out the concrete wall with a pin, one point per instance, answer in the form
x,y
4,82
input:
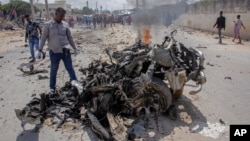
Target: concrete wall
x,y
202,16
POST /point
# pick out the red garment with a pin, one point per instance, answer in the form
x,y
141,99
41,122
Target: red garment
x,y
71,19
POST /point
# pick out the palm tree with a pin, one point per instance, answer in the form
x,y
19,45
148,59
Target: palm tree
x,y
47,8
32,9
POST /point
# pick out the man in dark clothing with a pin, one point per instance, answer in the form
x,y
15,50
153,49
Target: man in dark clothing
x,y
94,21
32,34
112,20
221,24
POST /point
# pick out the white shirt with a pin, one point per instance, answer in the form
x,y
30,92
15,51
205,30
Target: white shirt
x,y
239,23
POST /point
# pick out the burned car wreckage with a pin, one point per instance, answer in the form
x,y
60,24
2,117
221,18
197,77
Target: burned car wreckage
x,y
140,80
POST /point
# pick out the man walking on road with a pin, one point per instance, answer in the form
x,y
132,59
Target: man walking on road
x,y
32,33
112,20
59,38
238,23
221,24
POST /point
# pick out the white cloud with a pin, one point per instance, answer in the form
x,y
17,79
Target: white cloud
x,y
109,4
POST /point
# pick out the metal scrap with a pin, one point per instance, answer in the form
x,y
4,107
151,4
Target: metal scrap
x,y
132,85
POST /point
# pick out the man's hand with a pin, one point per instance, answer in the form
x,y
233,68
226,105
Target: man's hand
x,y
75,52
43,53
25,40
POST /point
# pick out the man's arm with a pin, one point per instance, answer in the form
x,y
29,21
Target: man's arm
x,y
70,38
40,30
243,26
44,37
216,23
26,34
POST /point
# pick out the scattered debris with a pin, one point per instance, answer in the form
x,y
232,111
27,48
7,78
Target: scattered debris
x,y
209,64
32,72
40,77
227,77
110,95
1,99
9,27
13,41
218,56
1,57
201,47
222,122
33,95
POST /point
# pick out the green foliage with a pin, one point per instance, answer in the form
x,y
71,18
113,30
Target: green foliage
x,y
21,7
86,10
76,11
207,2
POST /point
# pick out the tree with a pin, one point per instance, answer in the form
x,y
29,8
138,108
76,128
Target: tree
x,y
21,7
47,8
87,10
76,11
32,9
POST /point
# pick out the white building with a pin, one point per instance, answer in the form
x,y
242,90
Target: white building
x,y
53,6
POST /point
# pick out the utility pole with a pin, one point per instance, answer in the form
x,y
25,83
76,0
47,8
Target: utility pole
x,y
87,4
137,4
32,9
143,4
96,5
47,9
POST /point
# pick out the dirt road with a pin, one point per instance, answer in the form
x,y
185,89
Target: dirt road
x,y
206,116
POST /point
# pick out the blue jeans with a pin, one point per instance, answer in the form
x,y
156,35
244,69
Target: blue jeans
x,y
33,42
55,60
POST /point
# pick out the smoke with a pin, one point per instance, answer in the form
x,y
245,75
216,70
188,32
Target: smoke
x,y
156,12
153,12
151,3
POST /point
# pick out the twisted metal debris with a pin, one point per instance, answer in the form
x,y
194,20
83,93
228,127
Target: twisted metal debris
x,y
112,94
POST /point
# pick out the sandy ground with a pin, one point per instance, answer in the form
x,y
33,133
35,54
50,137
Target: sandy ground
x,y
199,117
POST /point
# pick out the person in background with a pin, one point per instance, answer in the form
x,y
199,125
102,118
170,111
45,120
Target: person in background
x,y
112,20
72,20
58,34
237,26
5,14
94,21
129,19
32,33
221,24
23,20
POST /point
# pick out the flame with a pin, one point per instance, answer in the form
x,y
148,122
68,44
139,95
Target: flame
x,y
146,36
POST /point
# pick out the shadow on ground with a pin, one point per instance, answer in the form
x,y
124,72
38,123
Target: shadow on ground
x,y
29,135
189,116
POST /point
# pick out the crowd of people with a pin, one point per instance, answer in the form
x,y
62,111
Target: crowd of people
x,y
99,19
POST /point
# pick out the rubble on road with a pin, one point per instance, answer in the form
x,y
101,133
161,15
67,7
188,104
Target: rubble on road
x,y
9,25
112,95
32,72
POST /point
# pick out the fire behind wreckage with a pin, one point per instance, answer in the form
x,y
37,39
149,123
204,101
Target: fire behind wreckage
x,y
140,81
